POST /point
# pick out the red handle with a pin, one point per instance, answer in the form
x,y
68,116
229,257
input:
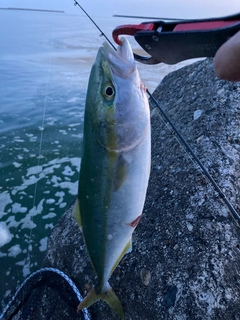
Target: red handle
x,y
130,29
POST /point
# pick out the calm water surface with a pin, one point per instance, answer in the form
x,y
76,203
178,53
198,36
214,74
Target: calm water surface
x,y
45,60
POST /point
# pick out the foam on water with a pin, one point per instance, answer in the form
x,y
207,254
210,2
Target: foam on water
x,y
43,244
34,170
5,235
14,251
73,99
22,211
49,215
48,226
17,165
50,201
16,207
5,199
68,171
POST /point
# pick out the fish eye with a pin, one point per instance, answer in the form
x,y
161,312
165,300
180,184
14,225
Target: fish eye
x,y
108,91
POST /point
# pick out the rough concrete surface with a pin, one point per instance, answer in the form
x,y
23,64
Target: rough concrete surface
x,y
185,263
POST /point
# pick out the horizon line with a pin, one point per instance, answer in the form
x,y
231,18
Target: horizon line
x,y
29,9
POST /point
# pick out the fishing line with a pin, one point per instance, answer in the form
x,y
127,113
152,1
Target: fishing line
x,y
40,149
182,141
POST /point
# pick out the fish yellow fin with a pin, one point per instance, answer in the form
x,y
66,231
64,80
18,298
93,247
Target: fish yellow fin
x,y
127,249
120,172
109,297
76,213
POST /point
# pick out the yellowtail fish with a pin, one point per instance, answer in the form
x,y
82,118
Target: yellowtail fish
x,y
115,165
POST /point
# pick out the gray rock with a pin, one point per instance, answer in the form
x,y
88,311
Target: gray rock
x,y
185,262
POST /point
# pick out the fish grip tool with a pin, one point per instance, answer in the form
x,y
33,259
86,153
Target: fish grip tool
x,y
173,42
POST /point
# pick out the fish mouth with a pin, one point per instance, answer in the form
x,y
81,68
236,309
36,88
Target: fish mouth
x,y
120,61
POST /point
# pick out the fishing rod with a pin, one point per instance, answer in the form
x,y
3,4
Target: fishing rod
x,y
142,17
182,141
76,3
205,171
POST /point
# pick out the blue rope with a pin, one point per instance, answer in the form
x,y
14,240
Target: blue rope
x,y
63,275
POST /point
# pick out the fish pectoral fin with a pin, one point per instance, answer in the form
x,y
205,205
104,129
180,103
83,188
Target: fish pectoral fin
x,y
77,214
120,172
109,297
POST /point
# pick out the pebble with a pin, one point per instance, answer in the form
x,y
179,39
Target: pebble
x,y
197,114
145,276
189,226
199,138
154,112
220,91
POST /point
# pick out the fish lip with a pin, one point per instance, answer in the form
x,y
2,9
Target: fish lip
x,y
120,61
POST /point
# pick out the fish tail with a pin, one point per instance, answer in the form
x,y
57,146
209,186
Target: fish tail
x,y
114,303
108,296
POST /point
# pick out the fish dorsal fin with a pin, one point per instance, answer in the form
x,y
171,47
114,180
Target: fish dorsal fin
x,y
77,214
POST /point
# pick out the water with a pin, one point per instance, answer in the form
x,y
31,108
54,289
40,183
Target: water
x,y
45,63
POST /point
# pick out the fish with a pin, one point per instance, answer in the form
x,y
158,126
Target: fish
x,y
115,165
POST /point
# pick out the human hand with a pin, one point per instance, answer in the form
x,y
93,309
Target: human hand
x,y
227,59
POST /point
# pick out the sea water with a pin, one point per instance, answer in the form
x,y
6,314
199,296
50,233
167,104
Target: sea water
x,y
45,61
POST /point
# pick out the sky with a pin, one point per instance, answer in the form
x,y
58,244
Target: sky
x,y
171,8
